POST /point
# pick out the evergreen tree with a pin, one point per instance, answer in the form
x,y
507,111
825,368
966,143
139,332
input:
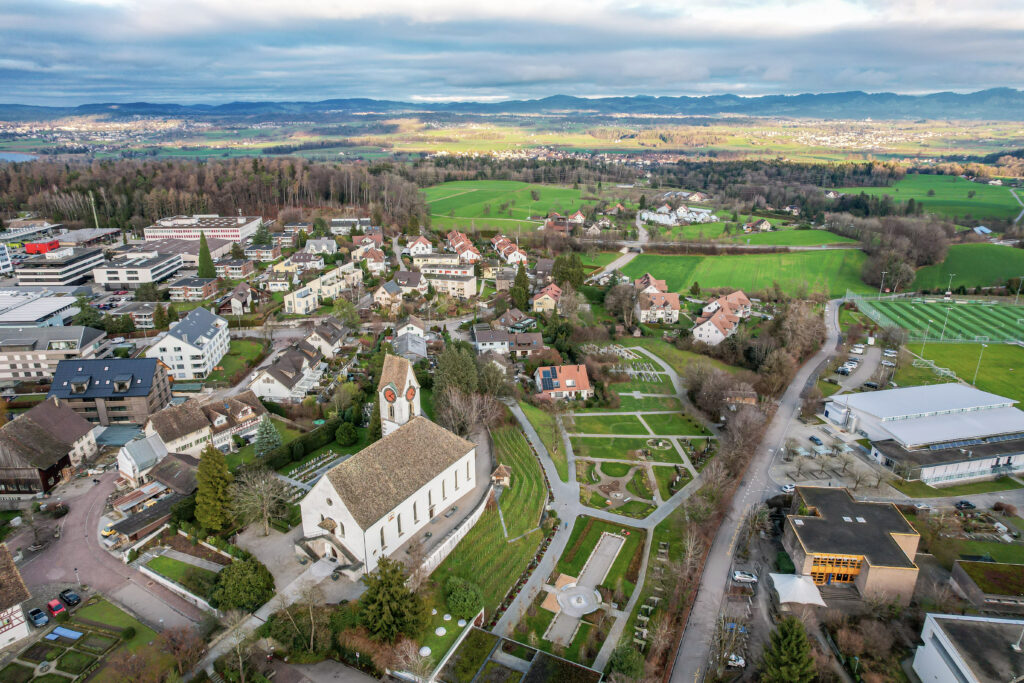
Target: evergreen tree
x,y
160,317
388,608
520,291
301,239
267,437
455,367
787,659
87,315
172,314
237,251
695,288
262,235
319,227
213,479
206,268
376,431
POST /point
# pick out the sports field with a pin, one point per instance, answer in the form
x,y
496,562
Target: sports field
x,y
974,265
1001,370
944,320
950,198
833,271
501,204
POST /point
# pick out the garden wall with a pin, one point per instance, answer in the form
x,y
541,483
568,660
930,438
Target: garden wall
x,y
179,590
432,561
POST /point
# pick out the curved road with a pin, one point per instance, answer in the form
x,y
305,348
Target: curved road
x,y
755,487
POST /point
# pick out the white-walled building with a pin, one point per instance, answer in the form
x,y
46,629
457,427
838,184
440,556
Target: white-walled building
x,y
231,228
368,506
130,271
13,624
293,374
192,426
193,346
969,649
137,457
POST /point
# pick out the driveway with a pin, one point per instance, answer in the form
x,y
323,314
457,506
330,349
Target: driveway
x,y
79,547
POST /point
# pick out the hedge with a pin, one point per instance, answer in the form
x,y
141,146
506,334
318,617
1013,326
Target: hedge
x,y
309,442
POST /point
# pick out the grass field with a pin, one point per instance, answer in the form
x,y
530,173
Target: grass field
x,y
974,265
618,449
675,424
248,453
241,354
950,197
1001,365
677,359
782,237
105,613
523,501
664,476
610,424
481,201
627,403
944,320
544,424
919,489
830,271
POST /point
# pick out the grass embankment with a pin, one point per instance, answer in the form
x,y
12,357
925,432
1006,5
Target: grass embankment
x,y
974,265
547,430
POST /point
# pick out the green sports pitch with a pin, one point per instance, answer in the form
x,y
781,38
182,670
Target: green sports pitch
x,y
938,320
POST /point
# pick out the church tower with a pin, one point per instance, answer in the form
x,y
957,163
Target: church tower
x,y
398,394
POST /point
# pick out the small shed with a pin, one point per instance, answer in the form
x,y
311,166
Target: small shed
x,y
502,476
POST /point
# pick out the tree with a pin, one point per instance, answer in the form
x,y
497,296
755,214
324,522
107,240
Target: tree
x,y
456,367
695,288
621,301
237,251
301,239
87,315
344,396
463,598
491,379
258,495
376,430
206,268
147,291
262,235
346,435
388,608
345,311
244,585
267,437
213,479
172,314
628,661
787,659
520,291
184,645
159,317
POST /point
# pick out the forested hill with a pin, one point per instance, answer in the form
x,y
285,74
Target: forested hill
x,y
1004,104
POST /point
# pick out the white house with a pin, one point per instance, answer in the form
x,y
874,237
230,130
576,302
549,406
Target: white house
x,y
301,302
327,336
194,346
324,245
191,426
420,245
293,374
13,624
137,457
411,325
367,507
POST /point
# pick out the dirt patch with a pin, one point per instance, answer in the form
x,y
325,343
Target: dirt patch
x,y
182,544
610,488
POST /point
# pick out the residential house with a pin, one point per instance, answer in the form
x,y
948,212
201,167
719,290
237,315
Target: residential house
x,y
141,313
546,300
193,289
325,245
436,258
563,382
345,226
437,269
457,286
512,320
193,346
293,374
375,261
388,297
527,344
418,246
648,284
504,279
137,457
659,307
411,347
234,269
462,246
577,218
327,336
411,325
302,301
411,282
263,252
736,303
39,448
31,354
278,283
192,426
486,340
757,225
304,260
243,299
112,390
508,250
283,240
720,318
543,271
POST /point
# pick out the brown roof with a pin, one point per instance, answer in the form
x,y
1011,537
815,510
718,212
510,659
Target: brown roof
x,y
378,478
289,367
177,472
234,409
174,422
648,280
12,587
394,371
501,470
44,434
659,300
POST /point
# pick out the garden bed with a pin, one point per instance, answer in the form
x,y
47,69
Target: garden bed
x,y
466,661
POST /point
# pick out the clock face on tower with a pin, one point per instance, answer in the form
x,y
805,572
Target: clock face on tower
x,y
410,393
389,395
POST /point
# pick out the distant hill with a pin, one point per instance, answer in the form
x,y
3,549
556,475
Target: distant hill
x,y
1001,104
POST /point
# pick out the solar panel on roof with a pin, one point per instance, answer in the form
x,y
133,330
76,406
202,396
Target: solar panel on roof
x,y
547,383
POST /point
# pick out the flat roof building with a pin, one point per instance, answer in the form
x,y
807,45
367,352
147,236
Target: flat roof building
x,y
834,538
231,228
969,649
88,237
188,250
64,266
136,269
31,354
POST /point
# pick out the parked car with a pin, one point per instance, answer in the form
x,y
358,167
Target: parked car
x,y
889,353
924,507
38,617
55,607
744,577
965,505
843,371
70,597
735,662
888,364
108,530
788,488
870,385
816,441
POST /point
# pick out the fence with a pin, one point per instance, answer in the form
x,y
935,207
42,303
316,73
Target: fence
x,y
432,561
946,329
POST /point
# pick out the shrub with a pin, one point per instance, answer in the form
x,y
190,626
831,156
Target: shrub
x,y
127,633
346,434
133,555
245,584
298,450
464,598
628,661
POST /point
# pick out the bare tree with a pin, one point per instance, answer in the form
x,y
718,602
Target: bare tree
x,y
621,301
184,645
845,460
460,411
406,657
799,466
725,641
570,302
858,478
258,495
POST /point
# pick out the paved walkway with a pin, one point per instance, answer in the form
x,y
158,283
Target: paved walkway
x,y
192,560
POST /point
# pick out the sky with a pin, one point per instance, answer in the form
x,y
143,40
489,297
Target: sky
x,y
67,52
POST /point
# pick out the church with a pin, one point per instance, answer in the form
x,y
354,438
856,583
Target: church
x,y
365,508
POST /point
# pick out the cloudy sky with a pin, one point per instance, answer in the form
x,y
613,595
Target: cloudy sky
x,y
62,52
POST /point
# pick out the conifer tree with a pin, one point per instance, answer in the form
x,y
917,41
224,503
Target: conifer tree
x,y
206,268
376,431
267,438
787,659
388,608
213,479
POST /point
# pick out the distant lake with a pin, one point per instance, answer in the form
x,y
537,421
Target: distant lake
x,y
16,156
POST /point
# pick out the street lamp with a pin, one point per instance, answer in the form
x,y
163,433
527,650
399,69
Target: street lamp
x,y
881,284
949,287
927,329
975,380
943,335
1016,646
1020,281
78,578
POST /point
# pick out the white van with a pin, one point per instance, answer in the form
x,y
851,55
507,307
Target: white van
x,y
857,350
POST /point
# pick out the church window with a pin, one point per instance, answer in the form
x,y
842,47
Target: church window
x,y
468,475
340,530
430,497
391,412
399,519
382,538
415,513
329,502
444,490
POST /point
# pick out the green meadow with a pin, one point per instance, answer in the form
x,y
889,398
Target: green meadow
x,y
974,265
500,204
950,196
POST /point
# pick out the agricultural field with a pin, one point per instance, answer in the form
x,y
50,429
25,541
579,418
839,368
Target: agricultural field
x,y
785,236
504,205
943,320
973,265
1001,370
832,271
950,196
522,503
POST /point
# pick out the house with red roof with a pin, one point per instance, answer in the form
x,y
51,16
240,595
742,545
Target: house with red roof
x,y
563,382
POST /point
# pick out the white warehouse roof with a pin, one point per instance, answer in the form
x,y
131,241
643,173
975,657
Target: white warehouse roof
x,y
924,401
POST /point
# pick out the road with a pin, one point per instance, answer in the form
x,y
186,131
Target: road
x,y
79,547
1021,214
755,487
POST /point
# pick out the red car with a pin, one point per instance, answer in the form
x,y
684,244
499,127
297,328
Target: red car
x,y
55,607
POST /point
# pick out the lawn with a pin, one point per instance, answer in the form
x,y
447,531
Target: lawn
x,y
16,673
105,613
665,476
995,579
241,354
975,265
248,453
950,196
661,385
619,449
675,424
471,655
615,469
785,236
918,489
608,424
545,426
1001,364
832,271
676,358
523,502
502,204
74,662
646,403
945,321
196,580
827,388
599,260
584,537
640,484
486,558
363,442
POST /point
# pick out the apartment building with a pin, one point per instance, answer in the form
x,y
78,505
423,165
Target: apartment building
x,y
128,272
31,354
188,250
193,288
193,346
112,390
65,266
234,269
458,286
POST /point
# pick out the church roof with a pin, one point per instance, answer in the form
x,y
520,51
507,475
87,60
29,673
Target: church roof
x,y
394,371
380,477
